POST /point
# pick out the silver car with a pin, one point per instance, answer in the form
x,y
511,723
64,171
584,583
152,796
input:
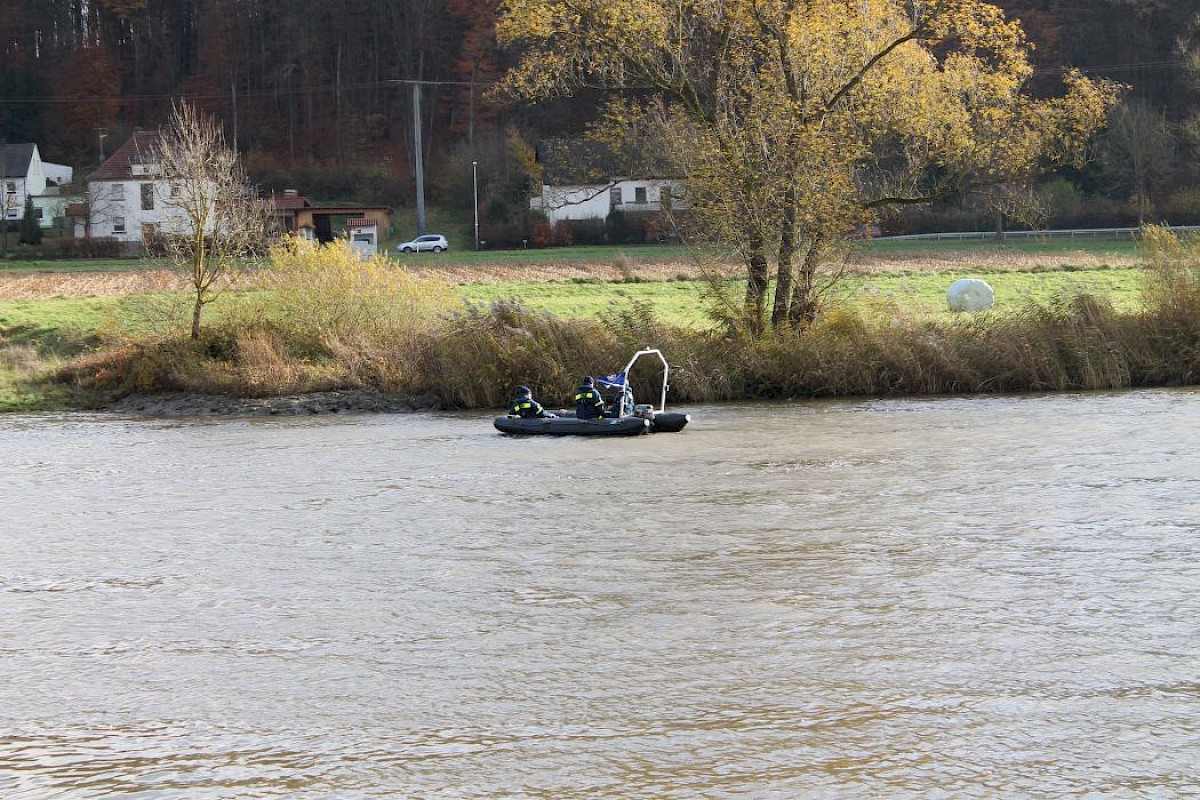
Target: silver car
x,y
431,242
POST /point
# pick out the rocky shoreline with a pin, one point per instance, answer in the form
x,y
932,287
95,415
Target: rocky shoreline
x,y
186,404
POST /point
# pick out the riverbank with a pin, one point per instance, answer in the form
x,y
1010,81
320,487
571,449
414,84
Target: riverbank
x,y
192,404
323,333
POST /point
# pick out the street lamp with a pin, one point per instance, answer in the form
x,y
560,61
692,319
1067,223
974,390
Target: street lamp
x,y
475,184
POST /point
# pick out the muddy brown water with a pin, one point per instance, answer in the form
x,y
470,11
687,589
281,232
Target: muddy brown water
x,y
963,597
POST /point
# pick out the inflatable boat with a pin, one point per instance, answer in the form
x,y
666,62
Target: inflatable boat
x,y
570,425
645,418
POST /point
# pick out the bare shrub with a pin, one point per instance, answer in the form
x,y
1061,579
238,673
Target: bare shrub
x,y
1172,275
625,268
263,363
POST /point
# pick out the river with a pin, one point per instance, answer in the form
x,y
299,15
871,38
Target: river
x,y
950,597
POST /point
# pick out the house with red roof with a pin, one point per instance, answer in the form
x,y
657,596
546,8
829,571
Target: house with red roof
x,y
125,202
123,199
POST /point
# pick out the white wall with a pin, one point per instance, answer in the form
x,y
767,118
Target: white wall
x,y
364,240
15,189
118,213
594,201
59,173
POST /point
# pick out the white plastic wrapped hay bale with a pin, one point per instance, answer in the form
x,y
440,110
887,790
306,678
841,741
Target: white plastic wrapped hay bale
x,y
970,294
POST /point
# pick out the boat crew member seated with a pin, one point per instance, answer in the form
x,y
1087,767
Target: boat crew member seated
x,y
588,402
622,404
525,406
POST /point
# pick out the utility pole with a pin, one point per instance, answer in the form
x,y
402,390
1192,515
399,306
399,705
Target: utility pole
x,y
418,158
418,148
475,184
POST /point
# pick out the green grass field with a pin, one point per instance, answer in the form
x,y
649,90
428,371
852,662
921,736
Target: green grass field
x,y
681,302
678,302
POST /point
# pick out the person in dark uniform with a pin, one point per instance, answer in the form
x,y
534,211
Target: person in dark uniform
x,y
588,402
523,405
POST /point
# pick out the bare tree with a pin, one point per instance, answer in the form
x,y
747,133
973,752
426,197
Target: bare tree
x,y
211,220
1138,151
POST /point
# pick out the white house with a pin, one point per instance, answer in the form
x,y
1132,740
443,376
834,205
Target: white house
x,y
27,176
577,184
124,196
598,200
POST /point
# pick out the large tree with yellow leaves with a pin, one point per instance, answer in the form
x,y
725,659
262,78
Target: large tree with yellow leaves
x,y
794,121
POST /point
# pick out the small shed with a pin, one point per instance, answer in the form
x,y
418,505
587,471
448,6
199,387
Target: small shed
x,y
363,233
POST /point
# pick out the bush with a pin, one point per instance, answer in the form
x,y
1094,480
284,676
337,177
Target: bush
x,y
327,303
585,231
71,249
30,230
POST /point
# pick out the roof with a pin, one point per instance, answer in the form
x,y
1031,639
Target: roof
x,y
15,159
138,149
290,202
359,210
361,222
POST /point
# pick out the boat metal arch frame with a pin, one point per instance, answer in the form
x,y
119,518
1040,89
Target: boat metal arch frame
x,y
666,386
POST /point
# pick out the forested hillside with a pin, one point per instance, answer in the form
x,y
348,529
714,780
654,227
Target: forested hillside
x,y
320,92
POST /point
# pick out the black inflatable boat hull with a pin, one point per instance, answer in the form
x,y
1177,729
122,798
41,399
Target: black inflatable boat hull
x,y
668,422
570,426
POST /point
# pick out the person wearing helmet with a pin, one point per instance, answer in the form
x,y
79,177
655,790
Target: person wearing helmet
x,y
523,405
588,402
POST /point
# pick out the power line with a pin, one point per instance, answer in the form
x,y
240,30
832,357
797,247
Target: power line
x,y
295,91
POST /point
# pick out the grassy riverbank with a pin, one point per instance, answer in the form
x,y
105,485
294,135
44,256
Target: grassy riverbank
x,y
1064,318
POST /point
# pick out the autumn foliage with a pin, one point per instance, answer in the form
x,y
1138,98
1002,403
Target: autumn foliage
x,y
795,123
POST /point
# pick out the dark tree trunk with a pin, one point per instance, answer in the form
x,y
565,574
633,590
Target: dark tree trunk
x,y
756,287
805,302
787,254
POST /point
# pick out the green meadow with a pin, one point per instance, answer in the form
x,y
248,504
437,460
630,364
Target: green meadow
x,y
682,302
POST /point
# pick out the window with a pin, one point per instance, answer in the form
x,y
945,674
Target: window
x,y
614,195
639,194
147,197
10,187
118,224
118,191
37,213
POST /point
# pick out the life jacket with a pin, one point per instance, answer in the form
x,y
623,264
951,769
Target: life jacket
x,y
588,403
525,407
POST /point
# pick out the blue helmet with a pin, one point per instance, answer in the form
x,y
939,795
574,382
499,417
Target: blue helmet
x,y
522,391
588,380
